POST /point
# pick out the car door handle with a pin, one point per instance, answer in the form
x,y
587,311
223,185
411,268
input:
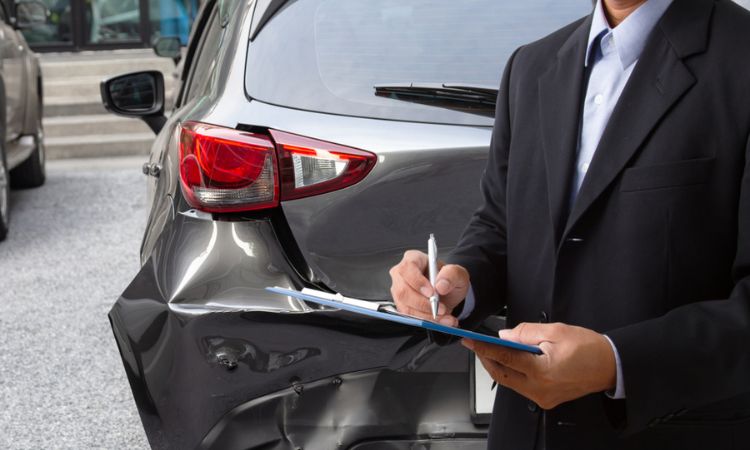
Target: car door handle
x,y
151,169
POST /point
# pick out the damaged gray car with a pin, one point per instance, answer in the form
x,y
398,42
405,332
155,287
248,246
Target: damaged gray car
x,y
311,143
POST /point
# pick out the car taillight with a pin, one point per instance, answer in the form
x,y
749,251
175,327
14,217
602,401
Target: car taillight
x,y
311,167
228,170
224,170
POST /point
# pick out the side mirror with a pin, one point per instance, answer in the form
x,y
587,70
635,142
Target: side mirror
x,y
30,13
168,47
137,94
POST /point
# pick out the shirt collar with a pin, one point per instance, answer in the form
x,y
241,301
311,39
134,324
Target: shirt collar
x,y
631,34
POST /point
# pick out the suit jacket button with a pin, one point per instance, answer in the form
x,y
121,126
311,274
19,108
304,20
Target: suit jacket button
x,y
543,317
532,407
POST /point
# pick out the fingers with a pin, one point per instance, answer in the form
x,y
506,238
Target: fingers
x,y
412,302
451,277
517,360
411,289
530,333
411,270
448,320
504,376
443,319
576,362
416,257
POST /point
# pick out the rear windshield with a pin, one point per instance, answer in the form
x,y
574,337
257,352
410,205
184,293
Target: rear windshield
x,y
326,55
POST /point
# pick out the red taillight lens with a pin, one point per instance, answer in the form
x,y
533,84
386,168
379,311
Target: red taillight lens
x,y
224,170
227,170
311,167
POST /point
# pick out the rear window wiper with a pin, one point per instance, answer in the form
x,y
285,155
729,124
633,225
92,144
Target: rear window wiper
x,y
477,99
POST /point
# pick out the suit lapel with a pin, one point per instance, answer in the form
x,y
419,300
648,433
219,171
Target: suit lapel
x,y
560,97
659,79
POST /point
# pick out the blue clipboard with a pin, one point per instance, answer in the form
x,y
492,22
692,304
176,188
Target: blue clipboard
x,y
406,320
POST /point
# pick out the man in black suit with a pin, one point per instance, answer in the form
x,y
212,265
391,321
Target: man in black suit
x,y
617,205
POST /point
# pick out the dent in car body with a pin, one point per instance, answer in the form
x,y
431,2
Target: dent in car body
x,y
185,319
360,407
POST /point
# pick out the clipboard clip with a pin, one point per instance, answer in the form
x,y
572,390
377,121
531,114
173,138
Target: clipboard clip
x,y
374,305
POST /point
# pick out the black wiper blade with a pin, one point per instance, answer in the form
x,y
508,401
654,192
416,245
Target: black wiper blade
x,y
465,97
478,88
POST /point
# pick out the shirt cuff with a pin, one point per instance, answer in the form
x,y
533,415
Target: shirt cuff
x,y
619,392
468,304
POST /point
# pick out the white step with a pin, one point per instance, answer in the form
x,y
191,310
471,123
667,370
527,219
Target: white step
x,y
99,145
82,125
86,86
102,64
76,124
68,106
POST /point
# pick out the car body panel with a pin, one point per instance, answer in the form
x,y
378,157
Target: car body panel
x,y
216,361
21,76
14,80
357,267
197,314
190,326
420,166
22,147
33,98
360,407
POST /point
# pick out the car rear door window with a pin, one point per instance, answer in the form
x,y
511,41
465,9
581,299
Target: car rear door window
x,y
204,63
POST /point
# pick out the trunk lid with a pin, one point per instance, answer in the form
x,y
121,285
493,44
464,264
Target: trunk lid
x,y
426,181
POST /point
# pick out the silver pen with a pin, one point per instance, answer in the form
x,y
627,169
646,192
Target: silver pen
x,y
432,261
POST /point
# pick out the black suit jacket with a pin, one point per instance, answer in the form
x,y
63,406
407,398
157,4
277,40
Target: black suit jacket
x,y
655,251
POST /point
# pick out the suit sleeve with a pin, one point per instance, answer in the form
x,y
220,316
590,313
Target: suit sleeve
x,y
482,246
696,354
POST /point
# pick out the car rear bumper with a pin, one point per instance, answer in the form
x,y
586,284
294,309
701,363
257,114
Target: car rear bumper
x,y
214,366
393,408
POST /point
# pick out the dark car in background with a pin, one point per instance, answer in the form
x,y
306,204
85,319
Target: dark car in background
x,y
21,134
311,143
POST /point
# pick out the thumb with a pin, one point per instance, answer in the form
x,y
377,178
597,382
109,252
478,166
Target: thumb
x,y
451,277
527,333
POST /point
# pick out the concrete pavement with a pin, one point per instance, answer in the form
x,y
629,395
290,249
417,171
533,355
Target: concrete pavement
x,y
72,249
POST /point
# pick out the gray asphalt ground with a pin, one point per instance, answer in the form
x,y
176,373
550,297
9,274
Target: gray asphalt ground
x,y
72,249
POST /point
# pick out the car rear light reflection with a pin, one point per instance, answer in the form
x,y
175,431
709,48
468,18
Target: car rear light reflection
x,y
227,170
224,170
311,167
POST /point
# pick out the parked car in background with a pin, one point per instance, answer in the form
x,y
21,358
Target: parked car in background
x,y
21,134
311,144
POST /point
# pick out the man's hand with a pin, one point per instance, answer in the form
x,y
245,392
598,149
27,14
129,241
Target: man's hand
x,y
576,362
411,290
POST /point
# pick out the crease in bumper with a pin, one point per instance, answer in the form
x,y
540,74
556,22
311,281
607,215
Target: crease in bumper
x,y
213,358
350,409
